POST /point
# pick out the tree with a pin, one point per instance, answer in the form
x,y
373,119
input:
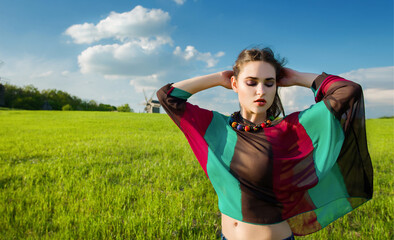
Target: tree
x,y
28,97
125,108
67,107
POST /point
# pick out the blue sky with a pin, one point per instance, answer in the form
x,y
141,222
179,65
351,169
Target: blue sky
x,y
110,51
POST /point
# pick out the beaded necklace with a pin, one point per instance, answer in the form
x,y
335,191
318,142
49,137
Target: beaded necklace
x,y
248,128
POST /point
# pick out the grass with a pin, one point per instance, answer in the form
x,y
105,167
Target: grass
x,y
109,175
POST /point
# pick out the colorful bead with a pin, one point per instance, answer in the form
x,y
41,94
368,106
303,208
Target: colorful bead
x,y
272,118
240,127
268,122
247,128
255,128
263,125
234,124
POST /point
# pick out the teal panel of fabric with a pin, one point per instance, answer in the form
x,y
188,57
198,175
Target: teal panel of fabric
x,y
329,188
221,139
326,215
179,93
330,196
326,134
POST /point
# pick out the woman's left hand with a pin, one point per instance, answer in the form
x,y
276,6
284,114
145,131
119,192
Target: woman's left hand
x,y
294,78
289,78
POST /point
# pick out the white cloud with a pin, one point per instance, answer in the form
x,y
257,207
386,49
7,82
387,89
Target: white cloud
x,y
179,2
381,77
191,53
129,59
139,23
145,83
141,48
220,54
138,52
44,74
375,96
65,73
83,33
295,98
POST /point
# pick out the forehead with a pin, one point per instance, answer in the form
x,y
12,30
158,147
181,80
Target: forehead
x,y
258,69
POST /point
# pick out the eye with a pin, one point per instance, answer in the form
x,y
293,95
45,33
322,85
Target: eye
x,y
250,83
269,84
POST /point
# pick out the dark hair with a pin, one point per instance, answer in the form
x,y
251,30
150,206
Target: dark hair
x,y
268,56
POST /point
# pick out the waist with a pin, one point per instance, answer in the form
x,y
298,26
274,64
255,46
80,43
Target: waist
x,y
235,229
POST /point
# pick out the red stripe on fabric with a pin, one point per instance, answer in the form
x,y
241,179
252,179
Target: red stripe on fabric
x,y
293,167
169,91
194,123
326,85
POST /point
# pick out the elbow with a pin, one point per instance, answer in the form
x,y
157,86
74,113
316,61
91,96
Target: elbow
x,y
356,90
162,93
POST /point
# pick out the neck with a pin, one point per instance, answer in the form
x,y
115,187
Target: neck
x,y
255,118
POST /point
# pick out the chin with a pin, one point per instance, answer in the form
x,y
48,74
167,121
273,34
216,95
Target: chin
x,y
258,111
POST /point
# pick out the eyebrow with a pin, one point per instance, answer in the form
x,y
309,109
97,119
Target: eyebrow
x,y
256,78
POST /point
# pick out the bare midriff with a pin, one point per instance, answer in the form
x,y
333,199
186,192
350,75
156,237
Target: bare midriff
x,y
234,229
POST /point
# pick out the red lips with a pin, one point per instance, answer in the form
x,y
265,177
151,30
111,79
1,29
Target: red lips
x,y
260,101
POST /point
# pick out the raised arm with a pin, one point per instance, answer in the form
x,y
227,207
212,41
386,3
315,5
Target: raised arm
x,y
339,94
197,84
295,78
173,98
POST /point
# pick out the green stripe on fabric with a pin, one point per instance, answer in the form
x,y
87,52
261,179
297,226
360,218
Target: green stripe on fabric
x,y
221,139
179,93
326,134
330,196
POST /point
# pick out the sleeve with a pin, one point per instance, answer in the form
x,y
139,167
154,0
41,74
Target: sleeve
x,y
336,128
344,99
336,123
192,120
345,123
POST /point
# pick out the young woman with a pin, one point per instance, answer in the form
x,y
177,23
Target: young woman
x,y
277,177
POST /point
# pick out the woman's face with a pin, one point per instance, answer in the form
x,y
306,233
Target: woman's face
x,y
256,88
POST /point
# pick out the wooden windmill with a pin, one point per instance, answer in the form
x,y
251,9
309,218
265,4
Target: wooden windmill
x,y
151,106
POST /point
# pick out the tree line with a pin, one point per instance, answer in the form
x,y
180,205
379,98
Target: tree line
x,y
30,98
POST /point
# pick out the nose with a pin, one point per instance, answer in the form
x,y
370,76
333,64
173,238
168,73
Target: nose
x,y
260,89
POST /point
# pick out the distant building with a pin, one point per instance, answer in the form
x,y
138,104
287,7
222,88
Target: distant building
x,y
151,106
155,106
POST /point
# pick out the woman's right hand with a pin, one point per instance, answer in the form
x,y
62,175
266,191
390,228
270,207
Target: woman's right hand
x,y
197,84
226,79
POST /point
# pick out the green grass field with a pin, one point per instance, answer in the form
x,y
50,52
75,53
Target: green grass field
x,y
108,175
